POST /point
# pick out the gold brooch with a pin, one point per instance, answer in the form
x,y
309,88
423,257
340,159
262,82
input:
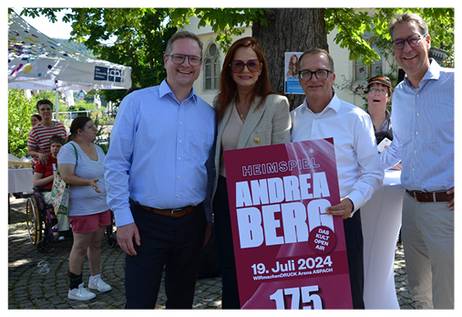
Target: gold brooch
x,y
256,139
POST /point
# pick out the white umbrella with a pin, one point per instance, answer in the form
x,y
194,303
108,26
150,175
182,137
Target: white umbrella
x,y
36,61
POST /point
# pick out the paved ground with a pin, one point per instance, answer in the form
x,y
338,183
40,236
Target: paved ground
x,y
38,280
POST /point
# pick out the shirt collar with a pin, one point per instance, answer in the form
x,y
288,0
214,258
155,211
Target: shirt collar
x,y
333,104
433,72
164,89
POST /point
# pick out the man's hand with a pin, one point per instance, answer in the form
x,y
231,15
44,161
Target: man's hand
x,y
125,236
451,202
344,209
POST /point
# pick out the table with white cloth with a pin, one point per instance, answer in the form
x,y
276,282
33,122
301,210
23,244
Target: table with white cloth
x,y
381,223
20,180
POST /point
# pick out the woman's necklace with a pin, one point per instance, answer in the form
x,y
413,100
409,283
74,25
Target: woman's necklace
x,y
241,114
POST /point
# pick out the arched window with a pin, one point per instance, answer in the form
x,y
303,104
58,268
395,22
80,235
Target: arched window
x,y
211,68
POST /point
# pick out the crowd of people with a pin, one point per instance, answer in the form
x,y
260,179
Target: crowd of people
x,y
164,178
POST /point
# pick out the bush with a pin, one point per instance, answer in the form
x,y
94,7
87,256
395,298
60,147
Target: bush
x,y
19,112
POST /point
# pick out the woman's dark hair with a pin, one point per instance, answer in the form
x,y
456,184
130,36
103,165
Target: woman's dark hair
x,y
228,88
37,116
76,125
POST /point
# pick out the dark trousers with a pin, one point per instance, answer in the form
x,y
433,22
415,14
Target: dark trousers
x,y
225,251
354,244
173,243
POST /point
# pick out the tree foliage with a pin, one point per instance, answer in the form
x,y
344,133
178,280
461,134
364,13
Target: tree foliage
x,y
20,110
138,36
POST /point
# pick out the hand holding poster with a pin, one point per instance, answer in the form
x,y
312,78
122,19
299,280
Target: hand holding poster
x,y
290,254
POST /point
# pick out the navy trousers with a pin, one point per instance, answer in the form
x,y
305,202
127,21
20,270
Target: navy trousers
x,y
167,243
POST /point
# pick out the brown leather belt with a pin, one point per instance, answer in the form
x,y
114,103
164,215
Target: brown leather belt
x,y
172,213
429,197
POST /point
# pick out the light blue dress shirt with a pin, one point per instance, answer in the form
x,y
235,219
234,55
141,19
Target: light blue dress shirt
x,y
423,131
160,152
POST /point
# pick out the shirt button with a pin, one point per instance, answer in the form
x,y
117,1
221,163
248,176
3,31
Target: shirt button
x,y
417,114
179,158
417,133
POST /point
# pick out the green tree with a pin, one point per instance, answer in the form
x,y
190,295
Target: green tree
x,y
19,124
140,34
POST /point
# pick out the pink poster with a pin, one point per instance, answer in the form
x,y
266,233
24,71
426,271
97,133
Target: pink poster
x,y
290,254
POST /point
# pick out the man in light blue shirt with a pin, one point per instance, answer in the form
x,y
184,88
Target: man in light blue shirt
x,y
423,138
158,176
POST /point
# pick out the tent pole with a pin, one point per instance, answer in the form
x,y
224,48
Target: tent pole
x,y
56,105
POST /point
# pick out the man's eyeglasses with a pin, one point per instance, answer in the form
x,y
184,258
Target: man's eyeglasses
x,y
412,40
179,59
378,91
237,66
45,109
306,74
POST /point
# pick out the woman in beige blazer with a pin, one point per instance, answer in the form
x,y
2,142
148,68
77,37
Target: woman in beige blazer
x,y
248,115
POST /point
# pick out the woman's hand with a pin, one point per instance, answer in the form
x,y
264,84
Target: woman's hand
x,y
93,183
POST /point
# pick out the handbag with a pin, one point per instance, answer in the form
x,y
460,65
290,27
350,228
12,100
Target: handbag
x,y
59,197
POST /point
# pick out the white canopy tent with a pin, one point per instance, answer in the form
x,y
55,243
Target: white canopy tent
x,y
38,62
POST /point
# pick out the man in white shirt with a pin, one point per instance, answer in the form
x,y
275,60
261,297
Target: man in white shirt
x,y
323,115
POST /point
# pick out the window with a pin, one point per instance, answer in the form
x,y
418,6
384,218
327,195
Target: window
x,y
211,68
364,72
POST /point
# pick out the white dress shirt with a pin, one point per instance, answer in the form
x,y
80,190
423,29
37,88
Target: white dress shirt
x,y
358,164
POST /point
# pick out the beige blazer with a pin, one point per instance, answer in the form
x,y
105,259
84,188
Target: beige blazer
x,y
268,124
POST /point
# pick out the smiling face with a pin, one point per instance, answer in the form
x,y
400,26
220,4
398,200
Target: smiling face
x,y
246,78
182,75
413,59
45,112
317,90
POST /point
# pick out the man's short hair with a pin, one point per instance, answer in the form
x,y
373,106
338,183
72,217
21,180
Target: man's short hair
x,y
316,51
43,102
408,18
182,35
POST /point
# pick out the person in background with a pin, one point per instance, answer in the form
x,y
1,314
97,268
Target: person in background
x,y
38,143
324,115
423,139
81,165
159,171
44,173
249,115
35,119
378,99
